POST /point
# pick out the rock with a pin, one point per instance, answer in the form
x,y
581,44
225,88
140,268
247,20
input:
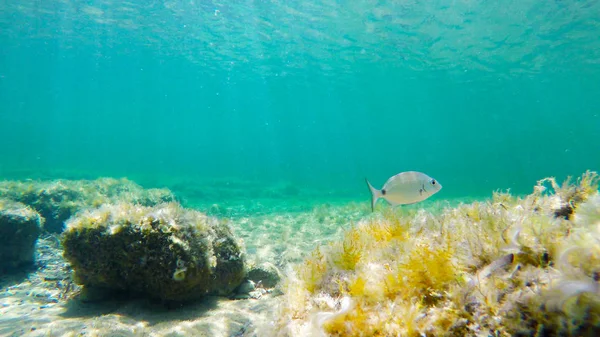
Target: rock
x,y
258,293
246,287
248,290
20,227
56,201
265,274
164,252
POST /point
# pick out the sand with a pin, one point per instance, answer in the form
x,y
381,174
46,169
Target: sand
x,y
43,301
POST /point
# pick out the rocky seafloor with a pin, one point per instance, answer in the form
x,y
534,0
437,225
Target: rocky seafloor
x,y
42,299
507,265
43,302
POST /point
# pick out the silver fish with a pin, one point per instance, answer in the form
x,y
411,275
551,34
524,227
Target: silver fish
x,y
405,188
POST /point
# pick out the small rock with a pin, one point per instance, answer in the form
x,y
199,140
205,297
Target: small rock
x,y
246,287
266,273
258,293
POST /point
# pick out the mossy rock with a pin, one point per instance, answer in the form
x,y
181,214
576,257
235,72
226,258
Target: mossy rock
x,y
20,227
163,252
56,201
265,274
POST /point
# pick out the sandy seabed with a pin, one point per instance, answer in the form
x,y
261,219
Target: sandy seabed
x,y
38,302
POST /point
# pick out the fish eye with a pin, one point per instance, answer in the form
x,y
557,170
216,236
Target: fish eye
x,y
433,182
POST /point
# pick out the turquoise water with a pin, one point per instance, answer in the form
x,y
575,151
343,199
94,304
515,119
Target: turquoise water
x,y
294,95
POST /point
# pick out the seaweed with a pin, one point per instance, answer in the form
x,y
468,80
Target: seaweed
x,y
505,266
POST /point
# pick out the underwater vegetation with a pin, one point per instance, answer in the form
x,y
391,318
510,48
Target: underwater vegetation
x,y
508,266
164,252
20,227
56,201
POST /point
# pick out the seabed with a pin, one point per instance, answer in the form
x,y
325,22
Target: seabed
x,y
503,266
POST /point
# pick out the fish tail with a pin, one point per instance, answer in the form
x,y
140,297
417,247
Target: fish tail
x,y
375,194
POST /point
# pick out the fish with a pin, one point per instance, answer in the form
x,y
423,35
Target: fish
x,y
405,188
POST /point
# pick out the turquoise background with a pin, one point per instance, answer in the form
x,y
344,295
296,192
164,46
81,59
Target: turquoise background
x,y
308,95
